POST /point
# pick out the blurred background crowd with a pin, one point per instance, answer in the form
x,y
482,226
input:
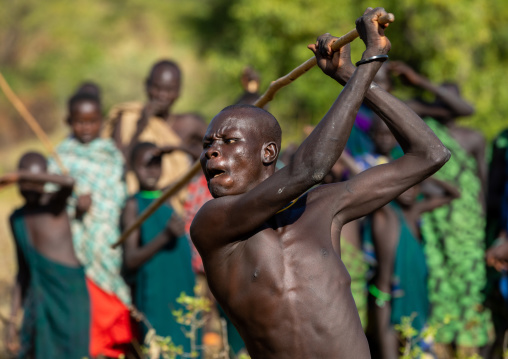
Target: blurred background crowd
x,y
448,62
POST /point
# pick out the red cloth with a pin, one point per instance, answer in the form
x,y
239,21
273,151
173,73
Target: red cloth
x,y
197,195
110,329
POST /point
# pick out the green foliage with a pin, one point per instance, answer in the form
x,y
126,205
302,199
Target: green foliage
x,y
462,41
410,337
49,48
191,317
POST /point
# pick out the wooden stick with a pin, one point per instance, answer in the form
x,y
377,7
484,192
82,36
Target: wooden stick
x,y
263,100
310,63
31,121
177,186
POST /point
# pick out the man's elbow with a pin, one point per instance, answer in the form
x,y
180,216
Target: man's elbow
x,y
438,156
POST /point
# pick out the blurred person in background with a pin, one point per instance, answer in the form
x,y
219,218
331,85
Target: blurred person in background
x,y
454,234
50,283
399,285
133,122
157,255
99,196
497,238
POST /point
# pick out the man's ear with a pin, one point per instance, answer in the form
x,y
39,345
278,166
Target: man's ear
x,y
270,153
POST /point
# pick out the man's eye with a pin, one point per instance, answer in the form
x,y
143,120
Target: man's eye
x,y
230,140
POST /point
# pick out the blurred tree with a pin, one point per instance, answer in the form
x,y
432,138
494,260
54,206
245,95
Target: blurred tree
x,y
49,48
462,41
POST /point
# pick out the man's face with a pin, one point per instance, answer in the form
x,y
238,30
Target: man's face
x,y
148,169
85,120
163,86
232,155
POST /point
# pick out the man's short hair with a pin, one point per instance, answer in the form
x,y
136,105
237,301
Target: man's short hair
x,y
164,63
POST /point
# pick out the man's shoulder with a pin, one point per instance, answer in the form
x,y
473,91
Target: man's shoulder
x,y
125,109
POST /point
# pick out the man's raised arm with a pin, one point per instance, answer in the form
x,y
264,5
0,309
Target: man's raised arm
x,y
237,215
424,152
319,152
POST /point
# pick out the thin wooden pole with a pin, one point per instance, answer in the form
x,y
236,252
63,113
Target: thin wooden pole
x,y
310,63
263,100
177,186
31,121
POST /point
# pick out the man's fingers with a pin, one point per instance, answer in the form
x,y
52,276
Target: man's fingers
x,y
367,10
345,50
324,44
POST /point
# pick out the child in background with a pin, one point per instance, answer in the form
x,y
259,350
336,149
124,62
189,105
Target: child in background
x,y
98,167
399,286
159,253
50,282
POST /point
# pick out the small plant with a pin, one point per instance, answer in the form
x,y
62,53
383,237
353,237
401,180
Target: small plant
x,y
192,317
411,337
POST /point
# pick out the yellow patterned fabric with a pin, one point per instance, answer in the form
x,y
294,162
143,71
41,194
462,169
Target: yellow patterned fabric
x,y
157,131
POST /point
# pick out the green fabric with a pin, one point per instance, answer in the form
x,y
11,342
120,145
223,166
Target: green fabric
x,y
56,322
455,249
409,288
150,194
357,267
160,280
98,168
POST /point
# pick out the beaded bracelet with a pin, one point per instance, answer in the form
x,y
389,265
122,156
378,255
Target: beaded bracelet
x,y
381,58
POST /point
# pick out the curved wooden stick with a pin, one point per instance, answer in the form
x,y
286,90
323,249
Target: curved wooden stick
x,y
171,190
31,121
263,100
310,63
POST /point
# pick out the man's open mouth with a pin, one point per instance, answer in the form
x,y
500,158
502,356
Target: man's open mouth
x,y
215,173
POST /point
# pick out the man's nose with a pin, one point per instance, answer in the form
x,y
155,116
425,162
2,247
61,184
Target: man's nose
x,y
212,151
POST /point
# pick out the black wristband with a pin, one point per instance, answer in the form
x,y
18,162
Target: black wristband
x,y
381,58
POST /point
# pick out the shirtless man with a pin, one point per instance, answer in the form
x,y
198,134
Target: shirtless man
x,y
270,264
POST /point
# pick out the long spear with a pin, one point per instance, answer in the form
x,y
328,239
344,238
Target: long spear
x,y
262,101
31,121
